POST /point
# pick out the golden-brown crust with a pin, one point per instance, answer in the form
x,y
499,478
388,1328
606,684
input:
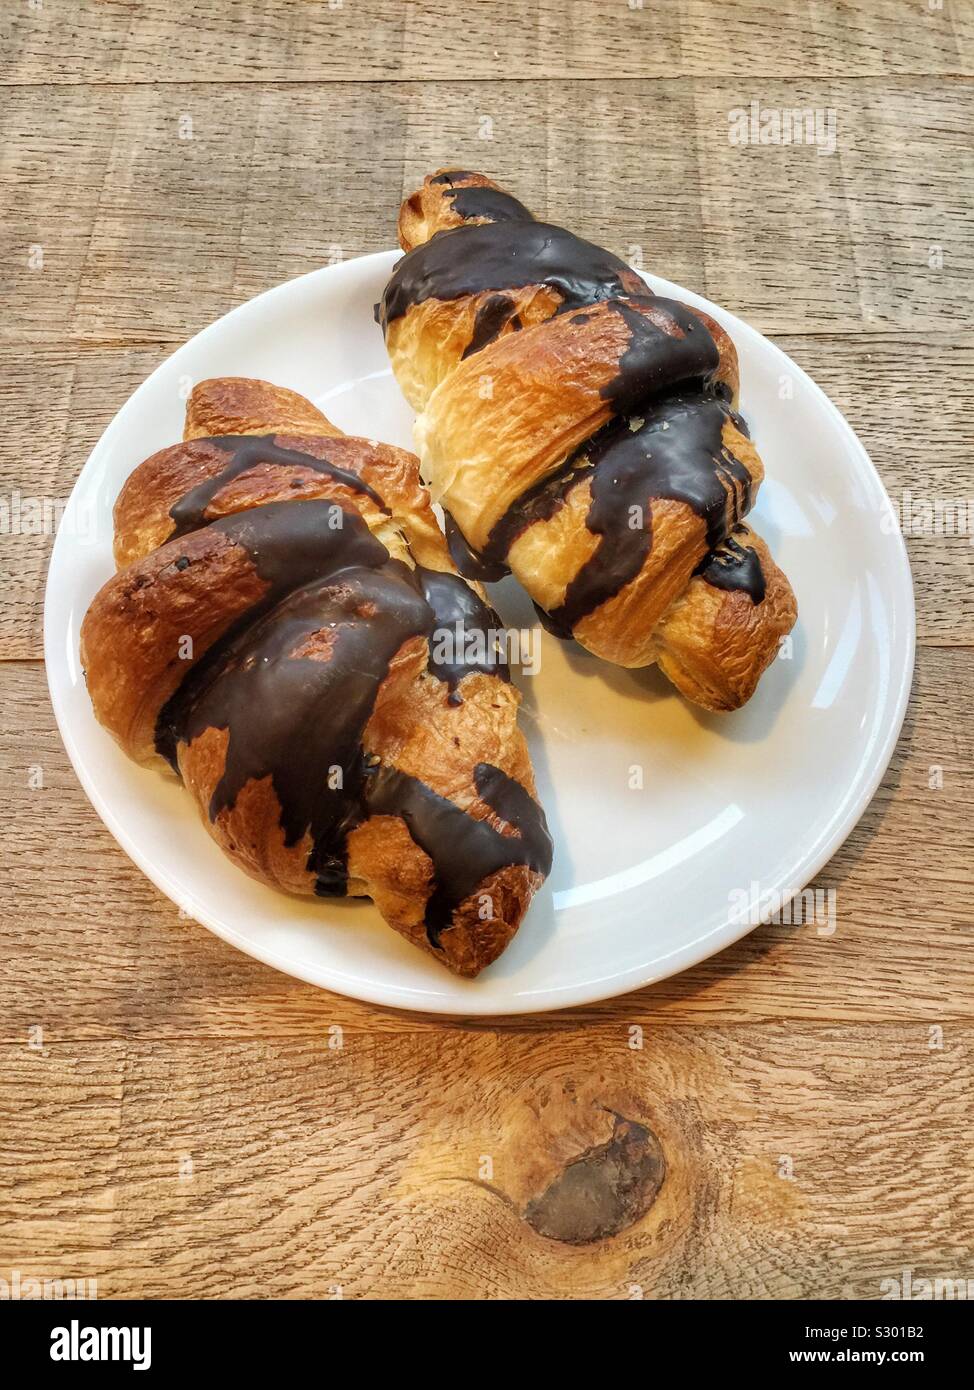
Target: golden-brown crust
x,y
249,831
246,405
430,209
429,341
153,621
173,599
714,644
548,555
436,747
384,862
546,398
143,517
497,422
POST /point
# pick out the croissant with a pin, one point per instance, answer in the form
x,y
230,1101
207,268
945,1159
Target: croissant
x,y
270,636
582,433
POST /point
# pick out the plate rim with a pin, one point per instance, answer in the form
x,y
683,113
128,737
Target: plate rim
x,y
410,998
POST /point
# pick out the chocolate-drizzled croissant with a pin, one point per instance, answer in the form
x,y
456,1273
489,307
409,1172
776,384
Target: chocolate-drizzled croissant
x,y
582,433
288,633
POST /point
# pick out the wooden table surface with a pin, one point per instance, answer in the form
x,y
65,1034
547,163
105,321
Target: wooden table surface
x,y
178,1120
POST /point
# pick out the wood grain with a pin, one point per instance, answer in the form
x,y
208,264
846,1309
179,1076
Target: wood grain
x,y
163,41
275,181
790,1119
799,1162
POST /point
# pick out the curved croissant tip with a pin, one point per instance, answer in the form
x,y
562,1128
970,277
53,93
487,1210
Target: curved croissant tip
x,y
472,942
247,405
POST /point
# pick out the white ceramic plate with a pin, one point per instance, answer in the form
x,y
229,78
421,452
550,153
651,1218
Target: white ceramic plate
x,y
645,881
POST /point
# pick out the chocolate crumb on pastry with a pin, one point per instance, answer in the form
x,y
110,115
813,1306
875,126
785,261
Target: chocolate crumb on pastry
x,y
270,636
582,433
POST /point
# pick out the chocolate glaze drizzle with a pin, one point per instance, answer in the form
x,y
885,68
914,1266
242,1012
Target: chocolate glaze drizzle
x,y
660,357
290,544
676,453
295,683
247,451
464,851
458,610
476,201
503,256
666,374
489,319
475,564
735,566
